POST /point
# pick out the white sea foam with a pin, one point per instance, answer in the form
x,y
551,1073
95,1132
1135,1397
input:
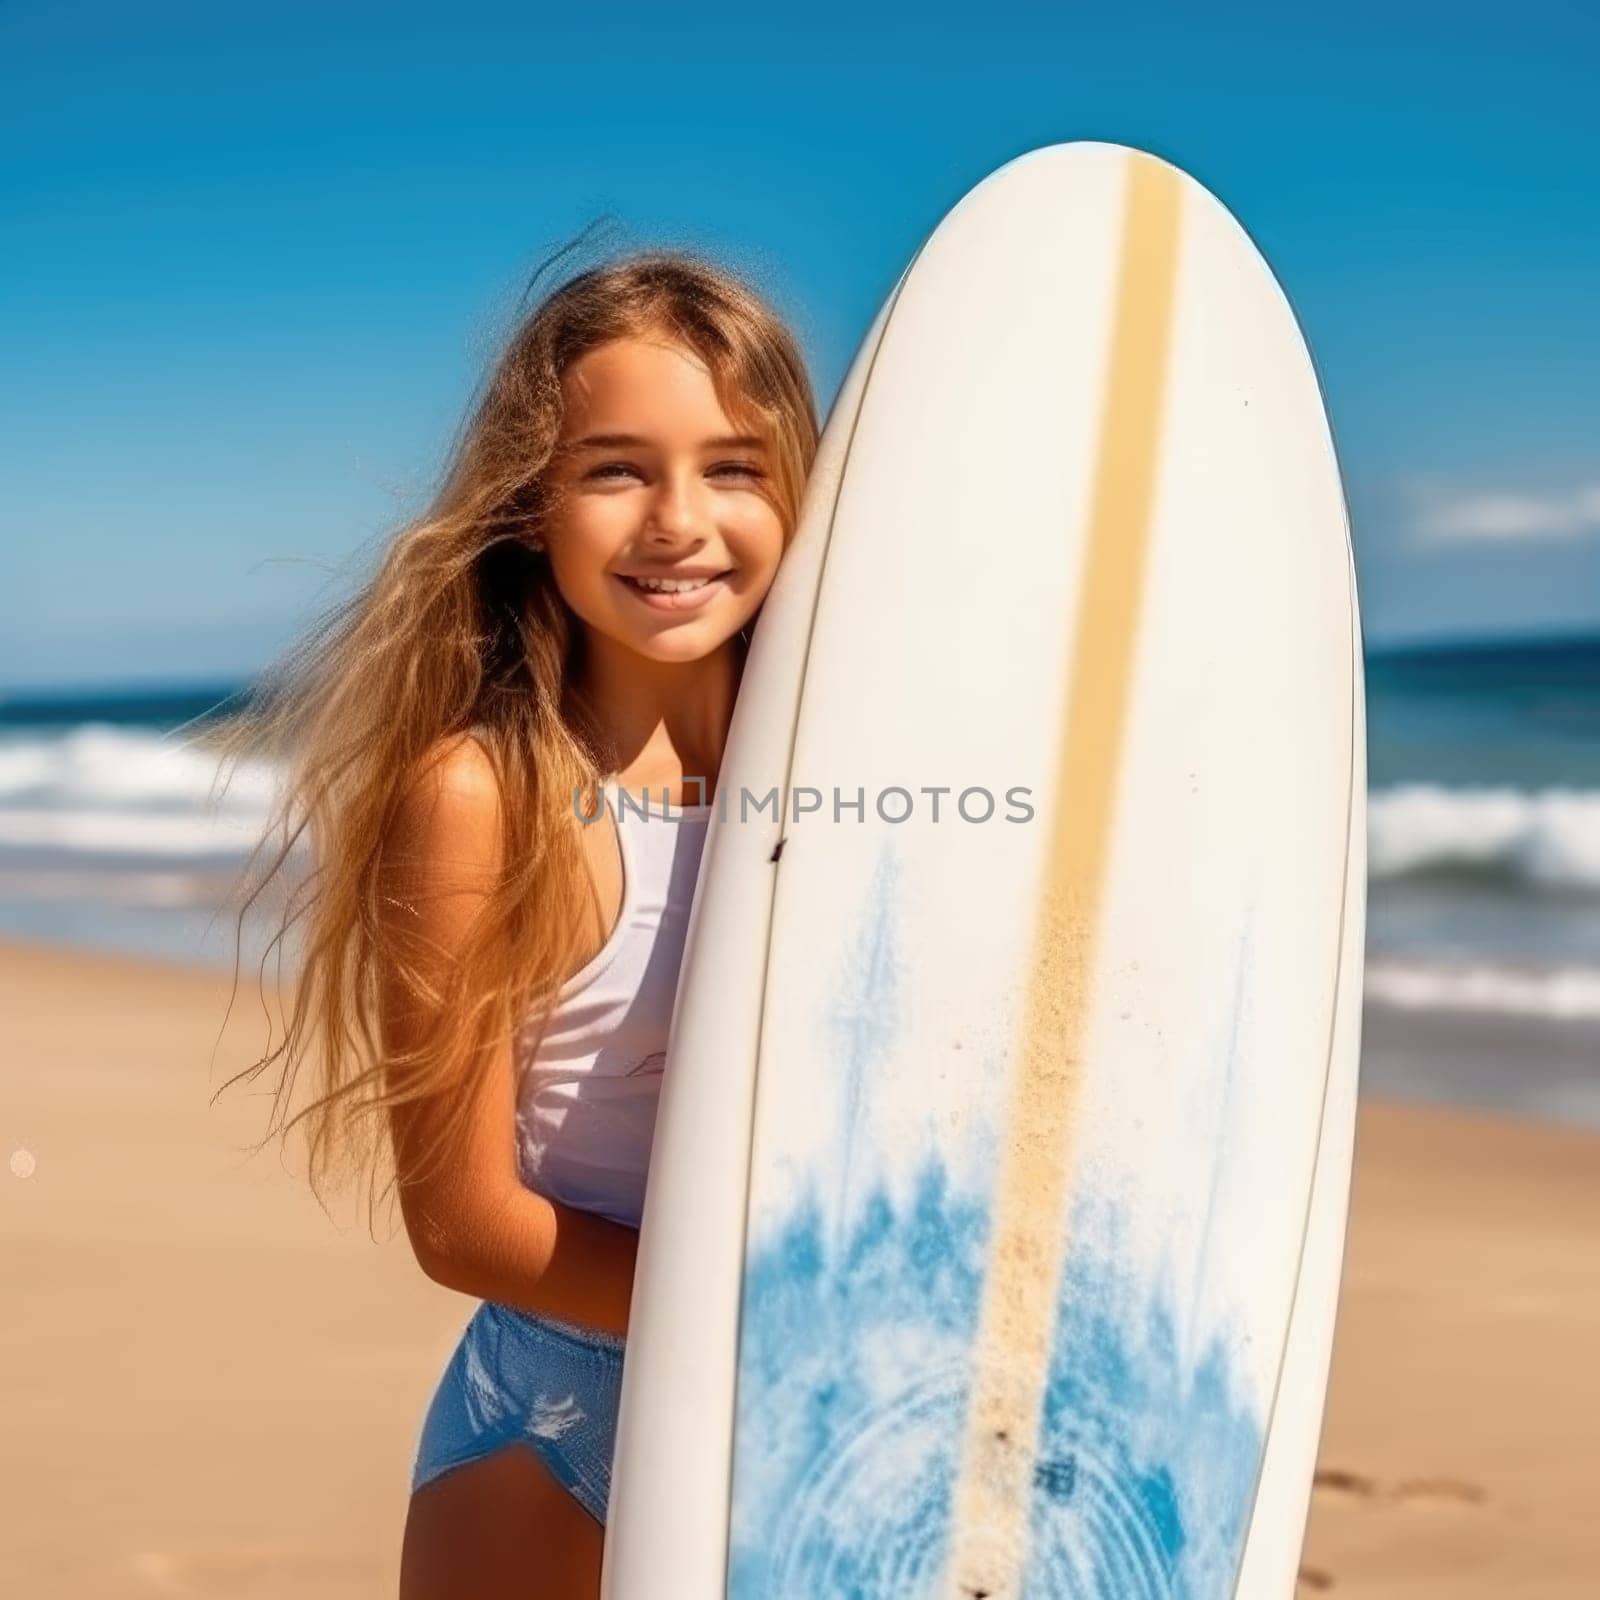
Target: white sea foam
x,y
1546,839
100,790
94,885
103,832
1564,994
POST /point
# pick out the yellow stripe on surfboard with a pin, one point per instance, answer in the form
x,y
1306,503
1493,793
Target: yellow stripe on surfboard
x,y
994,1491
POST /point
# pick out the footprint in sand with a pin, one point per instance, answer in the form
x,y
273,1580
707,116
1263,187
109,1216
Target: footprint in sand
x,y
1335,1480
1408,1491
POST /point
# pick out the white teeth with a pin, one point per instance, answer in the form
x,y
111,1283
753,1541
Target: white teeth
x,y
671,585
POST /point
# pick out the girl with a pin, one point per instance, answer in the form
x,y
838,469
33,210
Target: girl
x,y
493,940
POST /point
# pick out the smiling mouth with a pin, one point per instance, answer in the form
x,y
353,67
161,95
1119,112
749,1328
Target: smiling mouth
x,y
673,585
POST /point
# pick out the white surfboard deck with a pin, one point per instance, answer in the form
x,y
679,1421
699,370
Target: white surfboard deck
x,y
997,1200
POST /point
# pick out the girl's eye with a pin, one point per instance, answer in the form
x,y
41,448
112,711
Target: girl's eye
x,y
611,470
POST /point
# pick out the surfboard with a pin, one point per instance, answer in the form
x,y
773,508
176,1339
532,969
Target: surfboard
x,y
996,1210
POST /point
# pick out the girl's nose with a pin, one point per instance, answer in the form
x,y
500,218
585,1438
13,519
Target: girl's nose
x,y
677,511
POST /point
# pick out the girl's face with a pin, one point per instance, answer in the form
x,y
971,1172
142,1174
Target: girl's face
x,y
653,481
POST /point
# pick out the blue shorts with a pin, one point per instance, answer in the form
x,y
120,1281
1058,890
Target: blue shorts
x,y
532,1380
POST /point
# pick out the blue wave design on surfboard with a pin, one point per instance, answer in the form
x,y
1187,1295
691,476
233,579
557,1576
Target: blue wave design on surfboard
x,y
853,1385
858,1323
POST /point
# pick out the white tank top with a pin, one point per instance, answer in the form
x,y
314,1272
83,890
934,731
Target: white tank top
x,y
587,1088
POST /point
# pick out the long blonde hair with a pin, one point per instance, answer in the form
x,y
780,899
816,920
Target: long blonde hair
x,y
461,626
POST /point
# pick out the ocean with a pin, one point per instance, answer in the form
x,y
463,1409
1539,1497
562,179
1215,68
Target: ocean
x,y
1483,843
1483,832
115,832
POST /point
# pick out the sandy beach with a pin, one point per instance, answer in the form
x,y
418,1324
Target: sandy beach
x,y
214,1388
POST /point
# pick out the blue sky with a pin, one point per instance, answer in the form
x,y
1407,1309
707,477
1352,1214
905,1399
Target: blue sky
x,y
255,259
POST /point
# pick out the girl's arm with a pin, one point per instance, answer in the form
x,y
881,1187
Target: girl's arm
x,y
476,1228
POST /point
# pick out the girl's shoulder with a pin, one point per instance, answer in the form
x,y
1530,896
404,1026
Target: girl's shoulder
x,y
457,763
451,800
